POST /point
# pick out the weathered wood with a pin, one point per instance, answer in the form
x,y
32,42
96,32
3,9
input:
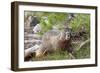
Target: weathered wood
x,y
31,50
32,41
82,44
72,56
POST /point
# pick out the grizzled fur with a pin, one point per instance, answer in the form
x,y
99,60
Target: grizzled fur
x,y
54,40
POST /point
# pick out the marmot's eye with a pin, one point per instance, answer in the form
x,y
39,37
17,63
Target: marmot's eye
x,y
68,35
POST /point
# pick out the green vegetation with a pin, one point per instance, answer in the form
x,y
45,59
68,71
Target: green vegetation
x,y
58,55
83,52
50,19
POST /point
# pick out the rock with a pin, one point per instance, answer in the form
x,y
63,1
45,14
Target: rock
x,y
37,28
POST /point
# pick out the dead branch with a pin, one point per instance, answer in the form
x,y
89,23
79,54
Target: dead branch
x,y
82,44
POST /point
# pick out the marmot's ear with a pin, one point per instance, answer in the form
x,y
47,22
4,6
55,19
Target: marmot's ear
x,y
58,37
61,36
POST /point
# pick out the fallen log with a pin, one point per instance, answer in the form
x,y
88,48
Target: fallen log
x,y
31,50
33,41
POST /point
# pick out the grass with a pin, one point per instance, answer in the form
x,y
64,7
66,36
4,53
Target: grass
x,y
83,53
58,55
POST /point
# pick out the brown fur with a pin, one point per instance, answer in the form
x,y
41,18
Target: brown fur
x,y
53,41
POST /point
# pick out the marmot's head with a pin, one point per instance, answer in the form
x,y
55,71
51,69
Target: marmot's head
x,y
68,35
64,35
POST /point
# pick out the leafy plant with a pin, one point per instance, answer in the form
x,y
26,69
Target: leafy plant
x,y
60,20
79,21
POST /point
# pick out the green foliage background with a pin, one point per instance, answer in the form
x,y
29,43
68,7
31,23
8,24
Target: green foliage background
x,y
59,19
50,19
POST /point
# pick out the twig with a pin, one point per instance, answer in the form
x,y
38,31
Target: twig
x,y
82,44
